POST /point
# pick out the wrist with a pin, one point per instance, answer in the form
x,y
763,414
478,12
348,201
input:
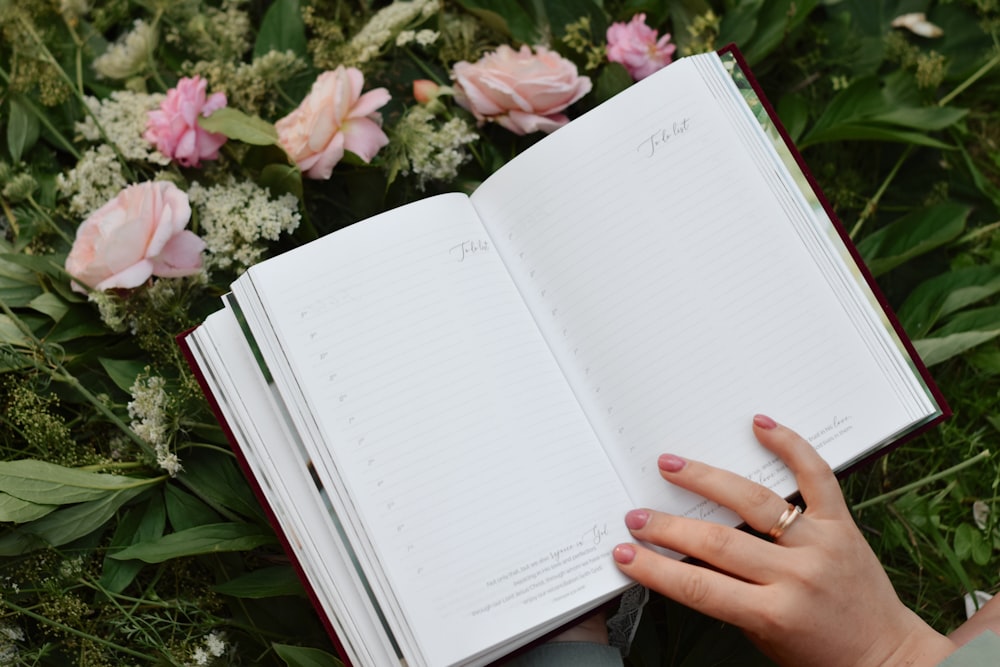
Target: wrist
x,y
921,647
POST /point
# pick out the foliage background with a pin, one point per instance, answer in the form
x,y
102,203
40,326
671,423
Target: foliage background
x,y
106,559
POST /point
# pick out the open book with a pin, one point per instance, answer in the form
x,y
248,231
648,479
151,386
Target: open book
x,y
448,408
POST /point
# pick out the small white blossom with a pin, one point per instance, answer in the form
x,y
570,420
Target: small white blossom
x,y
123,117
200,656
129,55
150,420
427,37
431,152
95,179
74,9
237,217
215,643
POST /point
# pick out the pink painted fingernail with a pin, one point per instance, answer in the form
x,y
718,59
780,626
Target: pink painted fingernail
x,y
671,463
624,554
636,519
764,422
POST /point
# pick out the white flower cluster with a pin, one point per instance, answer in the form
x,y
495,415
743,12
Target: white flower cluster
x,y
386,24
123,117
73,10
214,646
95,179
129,55
420,37
148,410
235,219
434,153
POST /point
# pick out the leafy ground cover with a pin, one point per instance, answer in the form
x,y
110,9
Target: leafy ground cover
x,y
130,536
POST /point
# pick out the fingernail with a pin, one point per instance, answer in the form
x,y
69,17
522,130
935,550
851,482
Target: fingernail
x,y
671,463
636,519
765,422
624,554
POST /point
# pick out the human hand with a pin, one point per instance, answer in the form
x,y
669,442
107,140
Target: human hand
x,y
816,595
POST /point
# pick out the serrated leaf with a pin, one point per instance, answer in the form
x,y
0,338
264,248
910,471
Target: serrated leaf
x,y
264,583
301,656
208,539
66,524
51,484
912,235
22,130
16,510
240,126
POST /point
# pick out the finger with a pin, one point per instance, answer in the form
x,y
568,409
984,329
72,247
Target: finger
x,y
714,593
759,506
819,486
728,549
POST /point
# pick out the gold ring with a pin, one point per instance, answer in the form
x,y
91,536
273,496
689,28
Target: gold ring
x,y
786,519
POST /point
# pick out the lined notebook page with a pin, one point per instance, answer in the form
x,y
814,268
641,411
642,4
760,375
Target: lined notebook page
x,y
441,411
677,296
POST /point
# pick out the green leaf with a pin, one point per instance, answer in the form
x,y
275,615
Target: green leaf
x,y
281,29
925,119
945,294
613,79
51,484
22,130
65,525
964,535
300,656
507,16
281,179
16,510
237,125
938,349
49,304
123,372
142,523
208,539
267,582
186,511
216,478
912,235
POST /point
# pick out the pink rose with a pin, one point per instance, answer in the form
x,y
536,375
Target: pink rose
x,y
333,118
635,45
173,128
521,90
138,234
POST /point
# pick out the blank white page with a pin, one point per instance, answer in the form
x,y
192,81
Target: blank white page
x,y
677,295
488,500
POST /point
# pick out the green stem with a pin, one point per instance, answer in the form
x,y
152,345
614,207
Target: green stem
x,y
872,204
56,370
52,223
43,119
126,169
123,465
975,76
981,456
979,231
73,631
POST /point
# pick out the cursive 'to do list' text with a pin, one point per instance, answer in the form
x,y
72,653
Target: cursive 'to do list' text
x,y
656,141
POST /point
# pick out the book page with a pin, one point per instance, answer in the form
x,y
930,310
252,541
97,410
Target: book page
x,y
677,295
440,418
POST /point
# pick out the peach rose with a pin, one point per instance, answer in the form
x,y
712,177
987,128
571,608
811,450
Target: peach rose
x,y
174,130
138,234
523,91
333,118
636,46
